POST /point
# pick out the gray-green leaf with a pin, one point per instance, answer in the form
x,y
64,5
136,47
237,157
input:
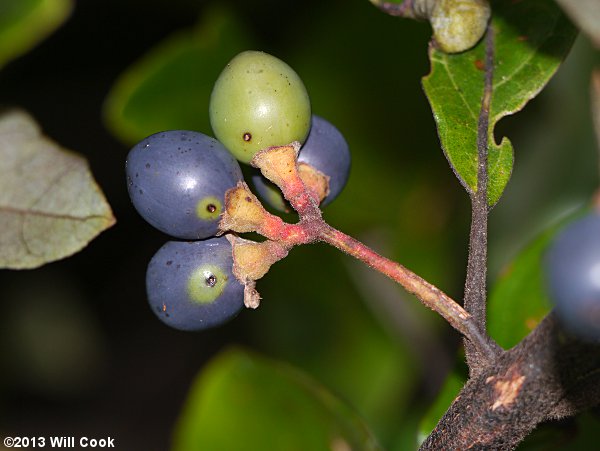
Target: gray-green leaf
x,y
50,206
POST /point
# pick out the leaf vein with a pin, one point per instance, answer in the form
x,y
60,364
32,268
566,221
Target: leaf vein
x,y
444,63
533,53
26,212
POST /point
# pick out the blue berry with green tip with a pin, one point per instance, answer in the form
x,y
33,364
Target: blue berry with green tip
x,y
177,182
190,285
573,276
327,151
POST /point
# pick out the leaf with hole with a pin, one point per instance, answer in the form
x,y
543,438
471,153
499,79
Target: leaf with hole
x,y
531,39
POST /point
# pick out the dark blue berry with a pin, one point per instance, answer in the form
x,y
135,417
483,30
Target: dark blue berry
x,y
573,276
190,285
327,151
177,181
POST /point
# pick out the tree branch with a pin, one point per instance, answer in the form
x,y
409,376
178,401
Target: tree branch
x,y
475,297
549,375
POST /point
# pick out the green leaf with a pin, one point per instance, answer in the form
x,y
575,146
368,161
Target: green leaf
x,y
452,386
246,402
50,206
518,300
531,38
23,23
170,87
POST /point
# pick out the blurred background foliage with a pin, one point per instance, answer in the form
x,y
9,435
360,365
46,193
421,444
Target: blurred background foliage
x,y
81,351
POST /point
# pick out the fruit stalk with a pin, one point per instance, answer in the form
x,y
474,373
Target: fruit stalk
x,y
428,294
280,166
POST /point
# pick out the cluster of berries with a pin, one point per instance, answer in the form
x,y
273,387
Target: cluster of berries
x,y
179,180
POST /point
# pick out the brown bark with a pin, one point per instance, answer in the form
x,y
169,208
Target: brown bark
x,y
549,375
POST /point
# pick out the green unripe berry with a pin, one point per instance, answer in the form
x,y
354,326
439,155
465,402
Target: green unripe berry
x,y
258,101
459,24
